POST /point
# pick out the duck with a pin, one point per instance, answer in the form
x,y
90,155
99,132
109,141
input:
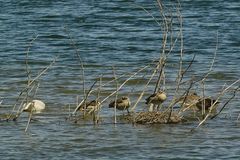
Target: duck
x,y
122,103
91,106
34,106
189,101
156,99
206,103
195,102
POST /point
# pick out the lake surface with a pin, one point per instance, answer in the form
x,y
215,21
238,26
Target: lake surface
x,y
121,35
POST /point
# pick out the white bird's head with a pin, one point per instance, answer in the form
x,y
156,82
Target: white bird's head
x,y
35,106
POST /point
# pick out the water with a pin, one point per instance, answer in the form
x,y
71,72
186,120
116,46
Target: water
x,y
122,35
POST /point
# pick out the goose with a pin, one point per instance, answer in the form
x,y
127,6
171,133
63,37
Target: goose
x,y
122,103
91,106
156,99
34,106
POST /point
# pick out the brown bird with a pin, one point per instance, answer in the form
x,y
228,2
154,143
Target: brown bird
x,y
190,100
206,103
122,103
91,106
195,102
156,99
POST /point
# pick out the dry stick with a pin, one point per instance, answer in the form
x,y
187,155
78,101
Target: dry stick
x,y
28,81
98,97
37,87
79,58
179,77
191,80
164,42
69,110
165,26
225,104
84,100
189,66
25,98
27,66
164,37
210,68
77,100
124,83
163,16
26,88
141,95
29,120
185,94
162,65
20,109
26,60
30,116
162,57
203,97
116,96
221,94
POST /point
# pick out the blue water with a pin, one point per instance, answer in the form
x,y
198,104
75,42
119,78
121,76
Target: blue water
x,y
122,35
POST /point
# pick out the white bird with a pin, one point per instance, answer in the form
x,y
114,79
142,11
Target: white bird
x,y
34,106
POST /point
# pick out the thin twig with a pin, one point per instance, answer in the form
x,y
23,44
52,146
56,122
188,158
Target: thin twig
x,y
141,95
225,104
98,97
84,100
29,120
77,51
133,75
116,96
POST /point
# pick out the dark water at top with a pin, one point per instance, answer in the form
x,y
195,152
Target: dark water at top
x,y
120,34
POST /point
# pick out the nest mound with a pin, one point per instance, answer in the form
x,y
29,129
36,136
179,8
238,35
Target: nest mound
x,y
154,118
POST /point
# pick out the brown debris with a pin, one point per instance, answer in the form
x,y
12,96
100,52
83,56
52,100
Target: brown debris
x,y
153,118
